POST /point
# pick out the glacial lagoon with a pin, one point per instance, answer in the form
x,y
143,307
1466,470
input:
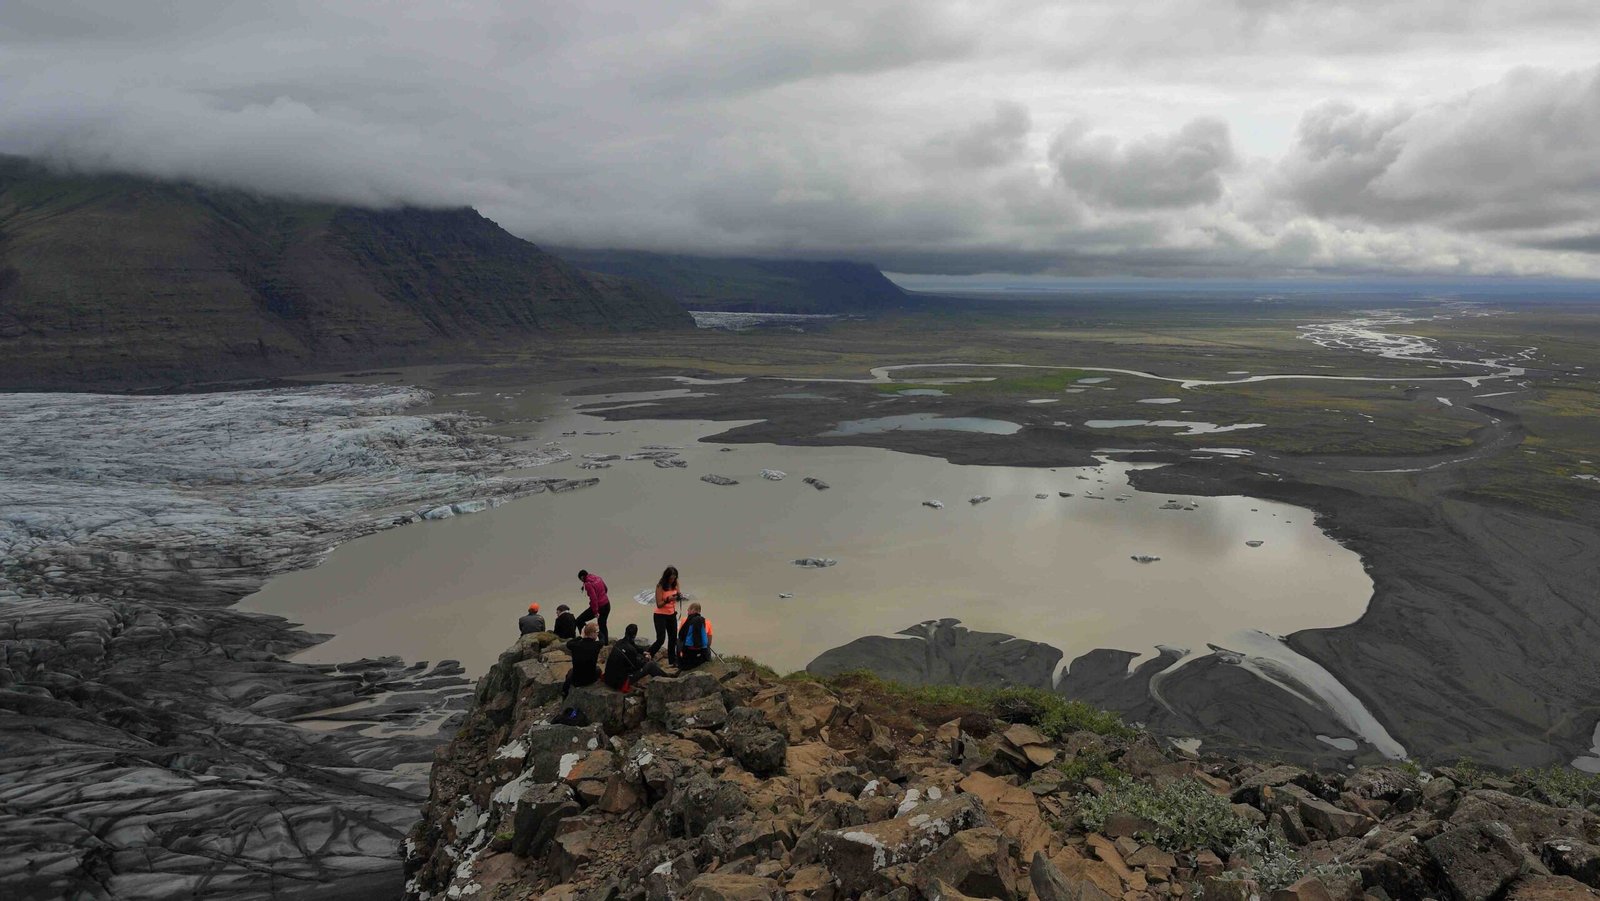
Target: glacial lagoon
x,y
1054,569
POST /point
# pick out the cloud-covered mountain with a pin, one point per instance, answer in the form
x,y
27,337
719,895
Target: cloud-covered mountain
x,y
122,281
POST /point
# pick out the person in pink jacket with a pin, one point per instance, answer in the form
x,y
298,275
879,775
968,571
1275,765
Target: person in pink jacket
x,y
599,603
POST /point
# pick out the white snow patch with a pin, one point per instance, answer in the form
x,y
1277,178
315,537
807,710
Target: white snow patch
x,y
518,748
568,761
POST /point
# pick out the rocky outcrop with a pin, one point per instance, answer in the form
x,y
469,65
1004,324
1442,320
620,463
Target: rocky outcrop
x,y
948,653
848,788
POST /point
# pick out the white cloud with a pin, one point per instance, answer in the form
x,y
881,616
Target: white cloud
x,y
1097,136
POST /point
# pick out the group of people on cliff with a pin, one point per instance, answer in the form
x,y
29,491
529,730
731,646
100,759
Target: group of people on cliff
x,y
687,644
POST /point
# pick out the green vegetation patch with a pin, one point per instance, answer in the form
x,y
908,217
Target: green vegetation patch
x,y
1046,711
1181,816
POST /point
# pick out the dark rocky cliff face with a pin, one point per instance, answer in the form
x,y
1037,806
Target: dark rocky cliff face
x,y
117,281
752,285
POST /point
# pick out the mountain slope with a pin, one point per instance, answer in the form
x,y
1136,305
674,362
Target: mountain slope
x,y
112,280
730,283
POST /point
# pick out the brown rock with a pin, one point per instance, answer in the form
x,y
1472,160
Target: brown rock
x,y
1015,810
1152,856
1216,888
1530,821
1571,857
1307,889
857,853
1551,888
809,880
726,887
620,795
1076,867
1331,821
1051,884
974,862
1107,852
1478,861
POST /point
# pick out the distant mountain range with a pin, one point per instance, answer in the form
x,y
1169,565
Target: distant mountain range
x,y
749,284
118,281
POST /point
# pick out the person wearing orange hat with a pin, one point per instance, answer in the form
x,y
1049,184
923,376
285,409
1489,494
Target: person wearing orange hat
x,y
531,622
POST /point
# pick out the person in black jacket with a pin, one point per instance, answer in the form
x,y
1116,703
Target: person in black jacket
x,y
531,622
566,623
630,662
585,659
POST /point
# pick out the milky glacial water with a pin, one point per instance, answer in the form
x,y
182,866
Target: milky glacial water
x,y
1055,570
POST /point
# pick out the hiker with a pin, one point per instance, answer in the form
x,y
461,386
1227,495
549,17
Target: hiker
x,y
694,639
599,603
666,615
585,660
566,623
628,663
531,623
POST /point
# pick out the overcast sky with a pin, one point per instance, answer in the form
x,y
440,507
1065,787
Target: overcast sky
x,y
1067,137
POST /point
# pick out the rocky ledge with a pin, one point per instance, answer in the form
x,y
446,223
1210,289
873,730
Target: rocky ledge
x,y
730,783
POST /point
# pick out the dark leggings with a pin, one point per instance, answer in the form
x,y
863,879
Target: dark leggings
x,y
605,613
666,634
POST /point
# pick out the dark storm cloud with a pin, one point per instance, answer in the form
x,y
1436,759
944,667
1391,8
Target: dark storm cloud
x,y
1088,137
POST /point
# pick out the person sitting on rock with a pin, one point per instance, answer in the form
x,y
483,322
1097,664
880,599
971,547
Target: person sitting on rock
x,y
531,622
599,603
566,623
585,659
694,639
628,663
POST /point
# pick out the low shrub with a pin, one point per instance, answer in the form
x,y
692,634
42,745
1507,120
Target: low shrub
x,y
1183,815
1560,785
1046,711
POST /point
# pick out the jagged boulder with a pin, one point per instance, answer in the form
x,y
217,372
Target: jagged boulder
x,y
728,887
753,742
1051,884
1478,861
1571,857
856,854
702,800
607,708
973,862
551,751
536,815
660,695
1332,822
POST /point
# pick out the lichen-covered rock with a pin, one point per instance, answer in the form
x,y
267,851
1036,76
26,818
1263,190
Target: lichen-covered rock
x,y
1479,860
856,854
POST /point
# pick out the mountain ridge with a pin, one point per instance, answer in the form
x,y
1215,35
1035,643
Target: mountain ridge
x,y
751,284
112,281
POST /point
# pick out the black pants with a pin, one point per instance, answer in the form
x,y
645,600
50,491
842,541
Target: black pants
x,y
689,658
666,634
605,614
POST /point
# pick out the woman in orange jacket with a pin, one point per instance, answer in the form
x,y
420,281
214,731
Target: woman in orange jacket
x,y
666,615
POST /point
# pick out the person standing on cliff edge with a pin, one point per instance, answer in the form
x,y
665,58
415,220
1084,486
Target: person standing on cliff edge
x,y
599,603
666,615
